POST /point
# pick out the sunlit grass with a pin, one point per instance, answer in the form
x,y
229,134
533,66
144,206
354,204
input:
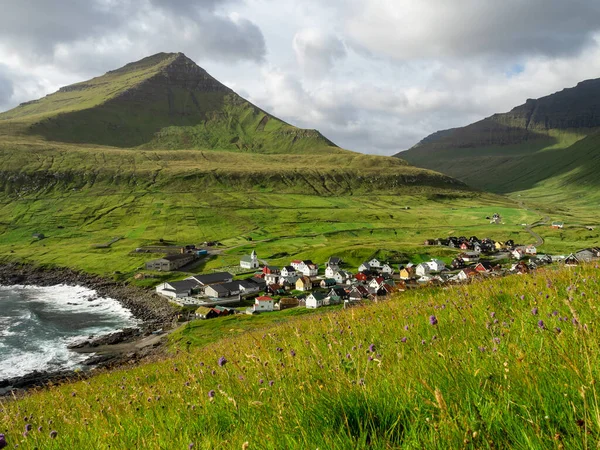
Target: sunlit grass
x,y
488,375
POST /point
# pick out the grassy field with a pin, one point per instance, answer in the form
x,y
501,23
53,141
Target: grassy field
x,y
510,363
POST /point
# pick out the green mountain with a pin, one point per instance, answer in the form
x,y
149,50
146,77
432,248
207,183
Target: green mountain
x,y
550,144
164,101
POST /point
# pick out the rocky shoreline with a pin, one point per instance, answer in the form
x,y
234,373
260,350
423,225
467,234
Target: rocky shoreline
x,y
125,347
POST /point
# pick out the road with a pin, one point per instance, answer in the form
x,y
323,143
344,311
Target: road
x,y
529,228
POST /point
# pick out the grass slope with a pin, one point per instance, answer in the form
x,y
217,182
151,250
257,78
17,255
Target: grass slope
x,y
511,363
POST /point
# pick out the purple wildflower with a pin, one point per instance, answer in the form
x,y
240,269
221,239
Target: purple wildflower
x,y
492,314
292,352
497,340
191,445
271,383
372,348
534,311
222,361
423,342
3,442
40,428
348,355
433,320
482,349
53,434
28,427
403,339
541,324
261,381
558,330
406,327
522,297
575,321
555,313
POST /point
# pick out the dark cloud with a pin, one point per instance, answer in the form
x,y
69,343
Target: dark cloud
x,y
85,35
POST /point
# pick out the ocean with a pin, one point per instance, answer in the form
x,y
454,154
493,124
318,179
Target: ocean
x,y
38,323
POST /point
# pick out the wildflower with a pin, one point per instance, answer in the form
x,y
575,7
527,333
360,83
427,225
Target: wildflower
x,y
558,330
482,349
534,311
28,427
222,361
423,342
372,348
3,442
541,324
403,339
40,428
433,320
575,321
348,356
406,327
53,434
211,394
497,340
361,382
271,383
191,445
492,314
261,381
279,349
522,297
555,313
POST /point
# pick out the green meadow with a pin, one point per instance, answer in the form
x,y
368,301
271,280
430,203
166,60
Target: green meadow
x,y
506,363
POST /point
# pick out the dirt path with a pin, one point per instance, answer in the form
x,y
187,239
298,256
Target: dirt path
x,y
529,228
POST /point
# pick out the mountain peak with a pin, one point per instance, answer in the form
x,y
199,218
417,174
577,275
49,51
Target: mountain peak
x,y
162,101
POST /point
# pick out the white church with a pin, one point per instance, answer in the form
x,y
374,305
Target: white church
x,y
250,262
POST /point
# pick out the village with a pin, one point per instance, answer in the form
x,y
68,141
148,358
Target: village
x,y
264,288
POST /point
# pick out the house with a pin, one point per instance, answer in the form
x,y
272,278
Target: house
x,y
297,264
260,282
436,265
338,292
477,248
304,284
406,273
356,294
310,270
264,304
469,257
332,300
334,261
206,313
212,278
422,270
571,260
465,246
558,225
362,277
375,264
520,268
341,276
223,311
286,303
177,289
267,270
271,278
288,281
327,283
248,287
288,271
517,253
364,267
224,290
588,255
499,245
466,274
485,267
275,289
458,263
315,300
250,262
170,262
387,269
531,250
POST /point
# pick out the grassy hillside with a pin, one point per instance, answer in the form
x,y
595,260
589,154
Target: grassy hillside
x,y
352,205
509,363
545,146
164,101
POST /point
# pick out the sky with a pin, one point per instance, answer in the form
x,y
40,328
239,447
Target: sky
x,y
374,76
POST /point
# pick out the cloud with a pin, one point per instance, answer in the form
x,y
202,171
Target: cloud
x,y
316,52
82,36
405,29
6,88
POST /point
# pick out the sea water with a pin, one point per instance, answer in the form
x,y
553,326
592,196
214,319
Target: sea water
x,y
38,323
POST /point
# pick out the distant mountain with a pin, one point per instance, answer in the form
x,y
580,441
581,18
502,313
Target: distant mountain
x,y
162,101
542,141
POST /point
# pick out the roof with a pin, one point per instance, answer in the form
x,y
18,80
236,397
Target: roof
x,y
304,280
212,278
231,286
264,299
318,295
335,260
219,289
247,284
183,285
176,257
288,301
203,310
246,258
289,268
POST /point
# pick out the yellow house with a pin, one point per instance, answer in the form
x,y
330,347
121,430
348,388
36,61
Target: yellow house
x,y
499,245
304,284
407,273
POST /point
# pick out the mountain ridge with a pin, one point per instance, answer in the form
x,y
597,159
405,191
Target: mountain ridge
x,y
140,103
